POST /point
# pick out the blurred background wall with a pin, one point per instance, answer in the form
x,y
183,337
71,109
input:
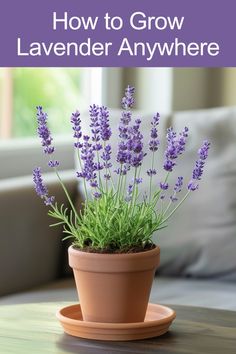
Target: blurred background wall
x,y
182,88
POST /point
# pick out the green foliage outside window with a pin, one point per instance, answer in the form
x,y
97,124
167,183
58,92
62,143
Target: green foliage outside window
x,y
56,89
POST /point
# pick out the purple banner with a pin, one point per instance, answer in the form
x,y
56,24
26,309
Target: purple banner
x,y
145,33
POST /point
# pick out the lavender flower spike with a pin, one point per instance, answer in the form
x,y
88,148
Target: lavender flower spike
x,y
175,147
177,188
44,132
203,151
129,193
179,184
40,187
154,142
97,195
106,156
128,100
105,129
164,186
123,155
135,145
95,127
45,135
53,163
76,126
89,168
199,166
151,172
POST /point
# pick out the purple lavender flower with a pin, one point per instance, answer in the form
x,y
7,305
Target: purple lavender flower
x,y
151,172
182,140
192,186
78,145
45,135
171,152
135,181
124,125
98,166
138,180
43,131
89,168
87,155
105,130
203,154
199,166
178,185
76,126
153,145
168,165
173,198
94,183
177,188
135,145
129,193
203,151
123,170
40,187
97,195
125,118
137,160
175,147
106,156
164,186
49,200
124,154
53,163
95,127
154,142
130,189
128,100
198,170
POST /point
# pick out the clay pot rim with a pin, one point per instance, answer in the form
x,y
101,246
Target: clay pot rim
x,y
114,263
142,254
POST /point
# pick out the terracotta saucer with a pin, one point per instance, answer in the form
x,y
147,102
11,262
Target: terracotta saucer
x,y
157,322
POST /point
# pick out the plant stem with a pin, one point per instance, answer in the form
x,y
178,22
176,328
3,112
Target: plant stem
x,y
168,206
104,148
150,185
134,186
158,194
112,182
161,206
118,185
85,188
66,193
99,173
174,210
124,188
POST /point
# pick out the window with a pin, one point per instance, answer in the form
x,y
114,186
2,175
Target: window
x,y
58,90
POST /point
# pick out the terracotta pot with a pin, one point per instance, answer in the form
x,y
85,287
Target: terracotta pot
x,y
114,287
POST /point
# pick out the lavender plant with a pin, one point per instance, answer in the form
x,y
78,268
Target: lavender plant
x,y
116,216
